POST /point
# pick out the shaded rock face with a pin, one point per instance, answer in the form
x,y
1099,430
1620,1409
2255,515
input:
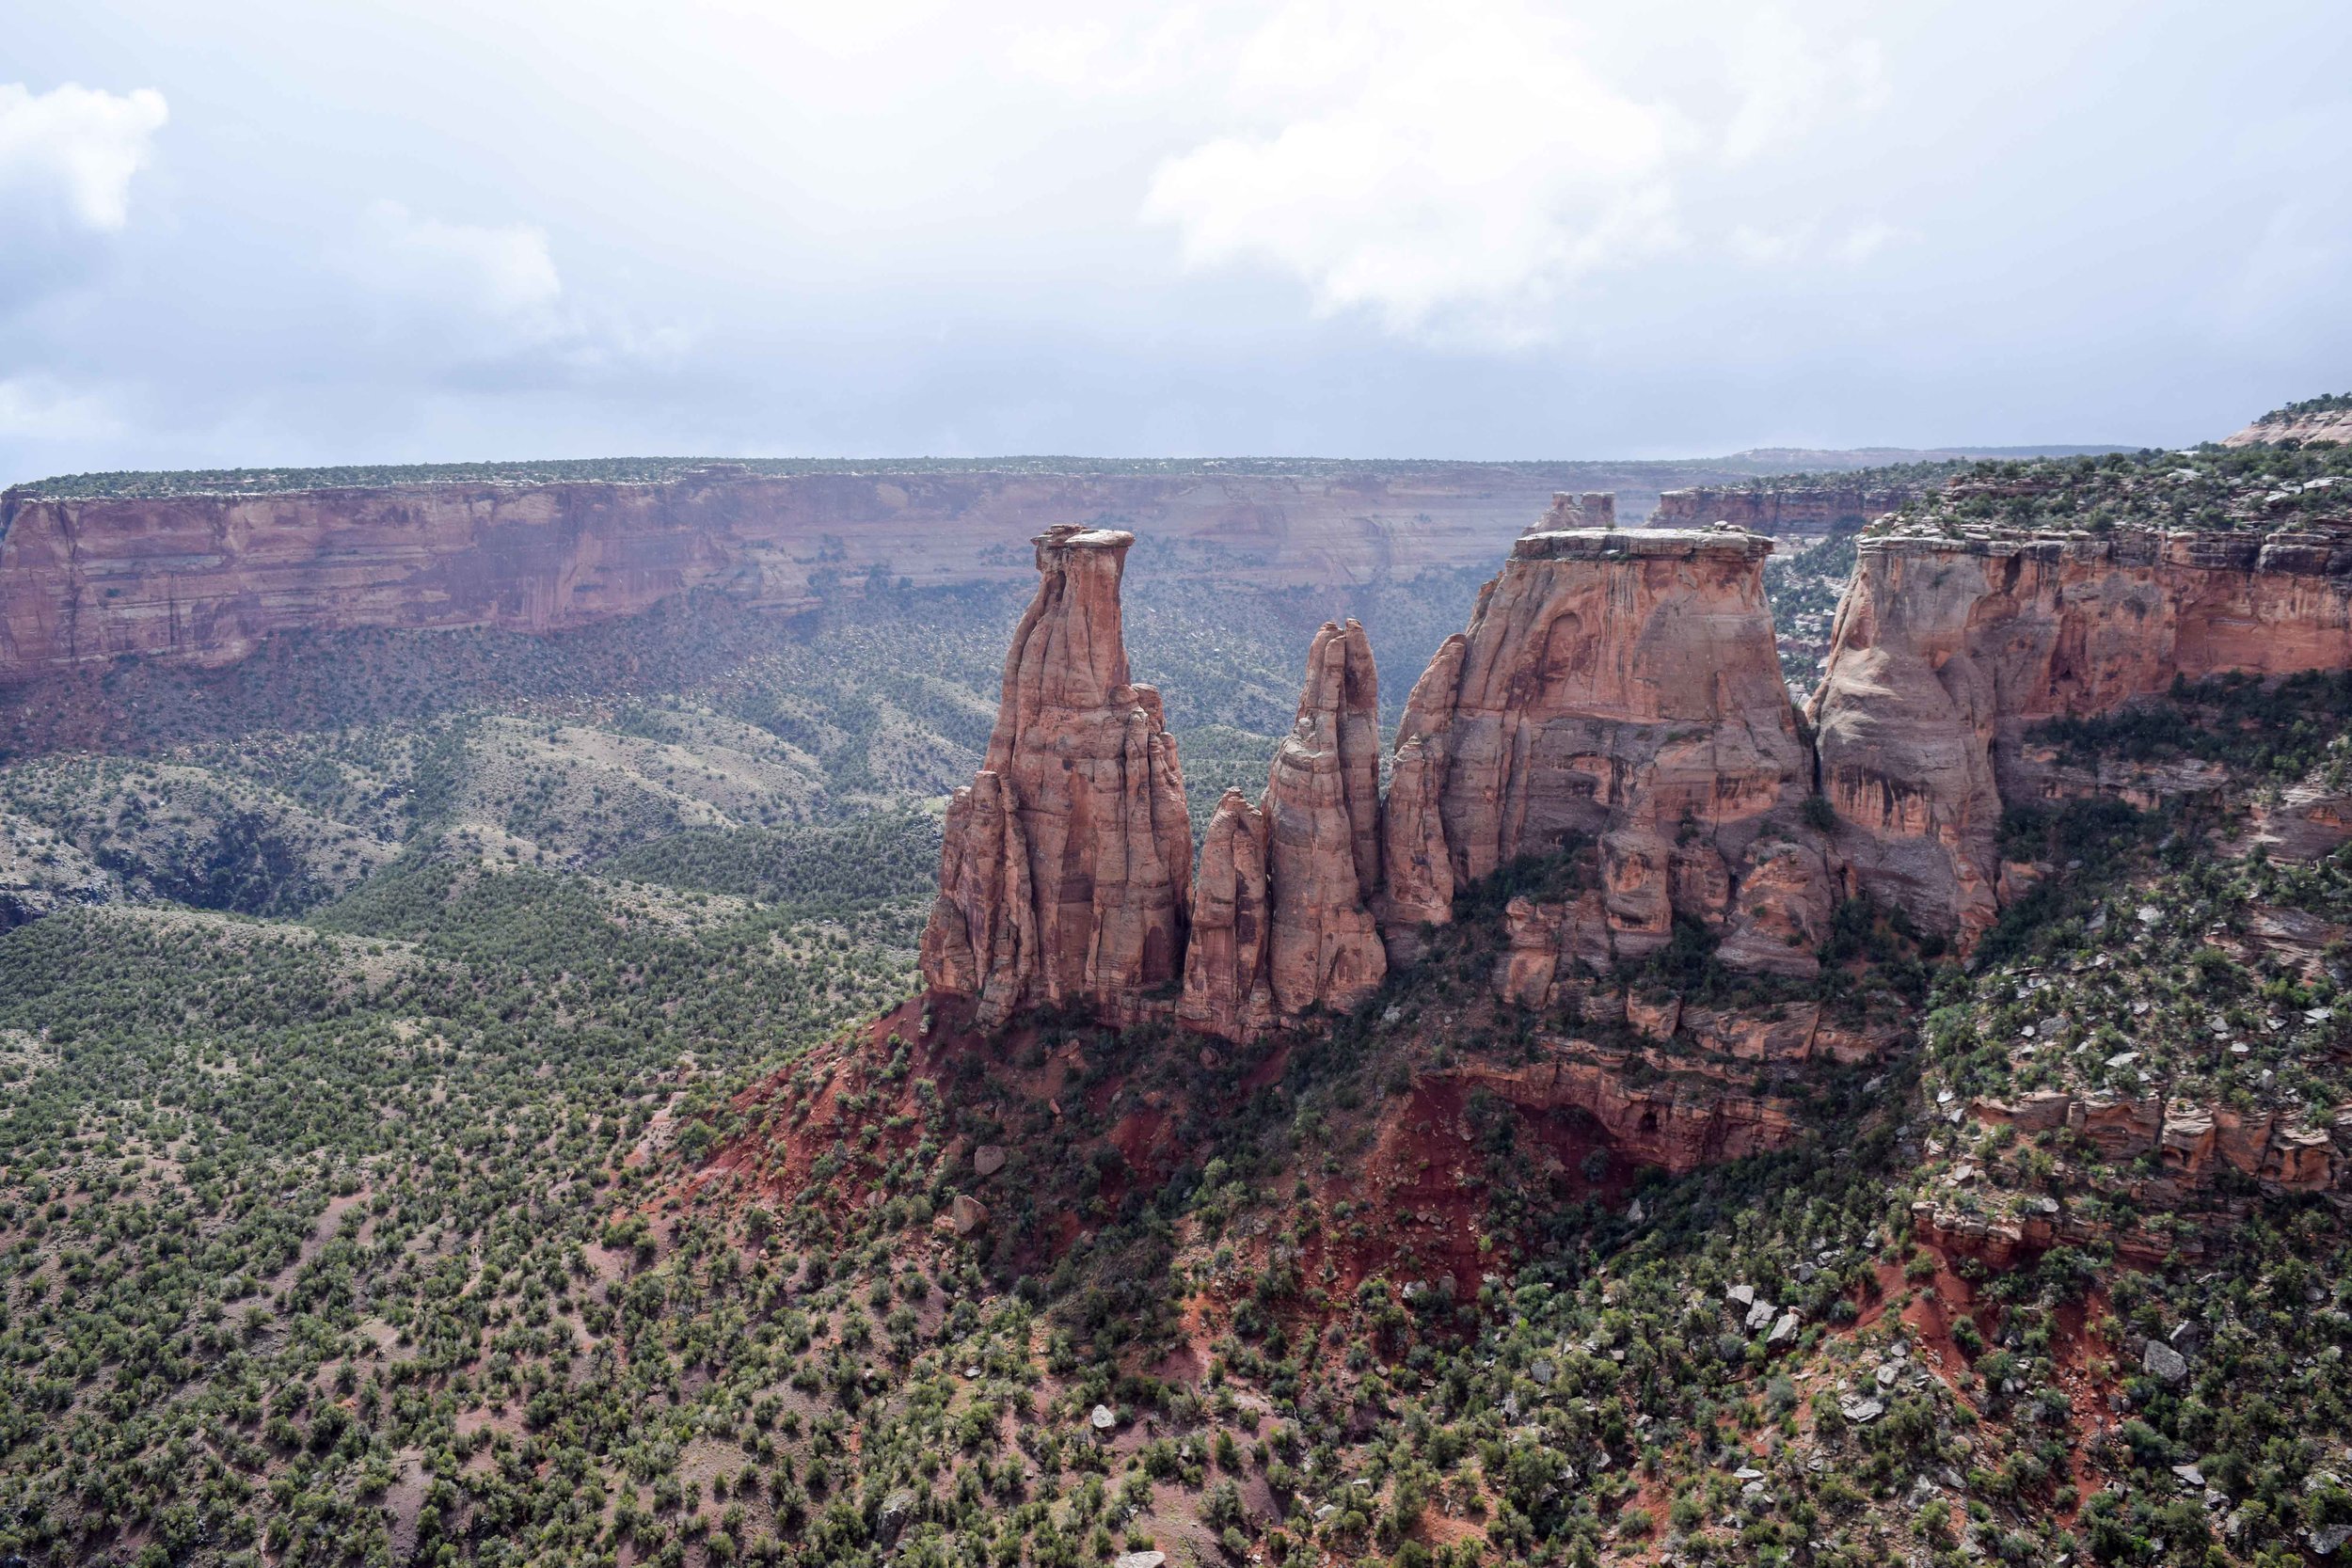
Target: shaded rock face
x,y
1787,510
1066,871
1227,988
1282,913
1624,687
1321,813
1945,651
1679,1127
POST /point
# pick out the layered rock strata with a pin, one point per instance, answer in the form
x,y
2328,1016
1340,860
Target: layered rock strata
x,y
1787,510
1946,650
204,579
2312,424
2194,1142
1621,687
1065,875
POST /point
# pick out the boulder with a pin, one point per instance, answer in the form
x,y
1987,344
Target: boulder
x,y
967,1214
2160,1360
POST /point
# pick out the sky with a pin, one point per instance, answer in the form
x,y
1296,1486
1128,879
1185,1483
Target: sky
x,y
263,232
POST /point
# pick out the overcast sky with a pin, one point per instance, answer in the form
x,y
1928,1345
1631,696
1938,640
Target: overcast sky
x,y
255,232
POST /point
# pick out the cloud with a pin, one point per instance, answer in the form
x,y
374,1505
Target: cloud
x,y
503,273
476,300
1458,168
40,408
67,158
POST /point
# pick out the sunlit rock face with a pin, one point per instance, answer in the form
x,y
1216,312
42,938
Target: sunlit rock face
x,y
1945,651
1620,686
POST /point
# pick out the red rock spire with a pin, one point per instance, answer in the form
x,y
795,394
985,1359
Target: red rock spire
x,y
1066,870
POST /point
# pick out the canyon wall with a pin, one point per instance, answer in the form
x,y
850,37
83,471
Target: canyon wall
x,y
1946,650
1620,686
1066,871
205,577
1791,510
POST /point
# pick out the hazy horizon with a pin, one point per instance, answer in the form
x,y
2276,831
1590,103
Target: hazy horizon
x,y
273,237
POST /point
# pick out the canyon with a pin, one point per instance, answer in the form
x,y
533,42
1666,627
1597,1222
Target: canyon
x,y
206,578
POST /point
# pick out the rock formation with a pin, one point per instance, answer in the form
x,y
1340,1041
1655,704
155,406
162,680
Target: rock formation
x,y
1323,811
1623,687
2309,423
1780,510
1066,870
1226,989
1281,913
1946,650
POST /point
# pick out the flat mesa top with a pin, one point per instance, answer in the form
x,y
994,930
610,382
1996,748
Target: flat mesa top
x,y
1072,536
1600,544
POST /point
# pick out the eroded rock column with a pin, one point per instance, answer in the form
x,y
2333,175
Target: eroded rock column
x,y
1066,872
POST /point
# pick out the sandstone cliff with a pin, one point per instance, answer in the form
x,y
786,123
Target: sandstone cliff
x,y
1946,650
205,577
1784,510
1621,686
2322,424
1066,871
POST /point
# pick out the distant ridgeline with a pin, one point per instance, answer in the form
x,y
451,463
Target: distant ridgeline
x,y
201,567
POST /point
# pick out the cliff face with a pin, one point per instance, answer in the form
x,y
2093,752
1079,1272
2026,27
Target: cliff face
x,y
1945,651
1066,870
204,579
1622,686
1788,510
2319,425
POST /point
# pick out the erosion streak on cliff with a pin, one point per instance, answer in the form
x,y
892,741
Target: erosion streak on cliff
x,y
1946,650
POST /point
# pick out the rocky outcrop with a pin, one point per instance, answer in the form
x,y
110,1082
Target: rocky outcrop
x,y
2289,424
1620,686
1281,915
204,579
1322,811
1679,1126
1227,988
1946,650
1066,871
1783,510
2194,1141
